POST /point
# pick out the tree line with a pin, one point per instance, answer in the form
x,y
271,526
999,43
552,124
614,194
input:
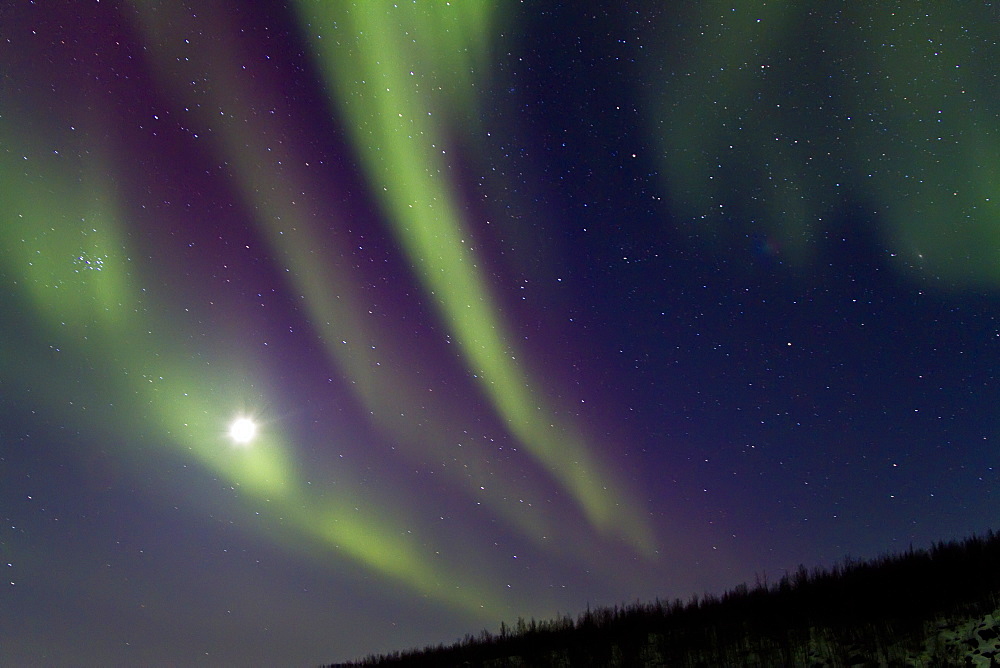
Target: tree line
x,y
855,611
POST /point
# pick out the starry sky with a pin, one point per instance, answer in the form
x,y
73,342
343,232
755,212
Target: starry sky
x,y
524,307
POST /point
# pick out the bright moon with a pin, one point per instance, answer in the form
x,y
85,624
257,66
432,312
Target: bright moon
x,y
243,430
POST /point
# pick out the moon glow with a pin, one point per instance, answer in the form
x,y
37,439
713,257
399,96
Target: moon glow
x,y
242,430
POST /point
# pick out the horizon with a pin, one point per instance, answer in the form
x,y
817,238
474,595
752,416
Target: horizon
x,y
882,611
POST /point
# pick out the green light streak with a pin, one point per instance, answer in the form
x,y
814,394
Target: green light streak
x,y
401,75
890,108
75,274
69,257
62,243
934,156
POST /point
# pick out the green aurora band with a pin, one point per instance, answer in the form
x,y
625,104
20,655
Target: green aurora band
x,y
882,117
402,75
76,274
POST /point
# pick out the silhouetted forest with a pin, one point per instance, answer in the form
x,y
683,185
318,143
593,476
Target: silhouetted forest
x,y
874,611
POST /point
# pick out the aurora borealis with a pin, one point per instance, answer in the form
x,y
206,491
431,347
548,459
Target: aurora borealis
x,y
334,328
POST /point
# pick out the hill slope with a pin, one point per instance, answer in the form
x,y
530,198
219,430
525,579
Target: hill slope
x,y
935,607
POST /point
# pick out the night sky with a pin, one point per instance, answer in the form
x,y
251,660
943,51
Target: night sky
x,y
525,307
